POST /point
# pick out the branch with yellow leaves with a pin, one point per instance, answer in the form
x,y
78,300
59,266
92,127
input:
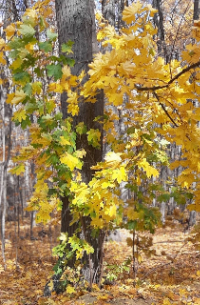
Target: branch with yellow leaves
x,y
190,67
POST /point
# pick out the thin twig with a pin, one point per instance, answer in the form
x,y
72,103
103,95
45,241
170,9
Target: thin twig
x,y
169,241
165,110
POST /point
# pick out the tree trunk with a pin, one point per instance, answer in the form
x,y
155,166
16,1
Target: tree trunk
x,y
196,10
76,22
158,20
108,11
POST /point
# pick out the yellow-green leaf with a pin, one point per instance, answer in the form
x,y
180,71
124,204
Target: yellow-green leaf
x,y
70,289
69,160
17,170
19,97
19,115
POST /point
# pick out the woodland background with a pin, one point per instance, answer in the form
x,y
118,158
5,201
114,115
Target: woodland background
x,y
146,272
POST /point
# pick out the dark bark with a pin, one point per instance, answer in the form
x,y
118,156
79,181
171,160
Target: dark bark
x,y
196,10
75,20
158,20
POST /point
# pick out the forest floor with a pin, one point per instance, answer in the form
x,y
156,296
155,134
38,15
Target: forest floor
x,y
170,276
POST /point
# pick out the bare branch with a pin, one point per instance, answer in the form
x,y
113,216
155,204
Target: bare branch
x,y
165,110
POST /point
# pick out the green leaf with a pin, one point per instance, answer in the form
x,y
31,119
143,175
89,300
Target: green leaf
x,y
94,136
27,30
55,71
28,89
67,47
26,123
69,61
164,197
38,71
16,43
47,121
58,116
131,130
53,160
41,23
50,106
31,107
28,20
132,225
22,76
81,128
45,46
51,35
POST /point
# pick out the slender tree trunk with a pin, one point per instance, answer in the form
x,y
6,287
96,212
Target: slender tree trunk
x,y
108,11
196,10
192,215
3,174
158,20
112,11
6,114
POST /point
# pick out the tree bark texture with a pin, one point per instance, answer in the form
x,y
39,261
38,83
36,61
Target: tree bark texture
x,y
108,11
76,22
158,20
196,10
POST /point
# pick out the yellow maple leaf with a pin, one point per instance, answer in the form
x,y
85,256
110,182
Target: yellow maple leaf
x,y
113,157
130,12
73,109
30,47
63,141
41,187
183,292
16,63
72,103
17,170
2,43
110,211
97,222
166,302
194,207
10,31
120,174
30,12
70,161
150,170
131,214
153,11
36,88
18,97
19,115
70,289
10,97
2,59
80,153
66,72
